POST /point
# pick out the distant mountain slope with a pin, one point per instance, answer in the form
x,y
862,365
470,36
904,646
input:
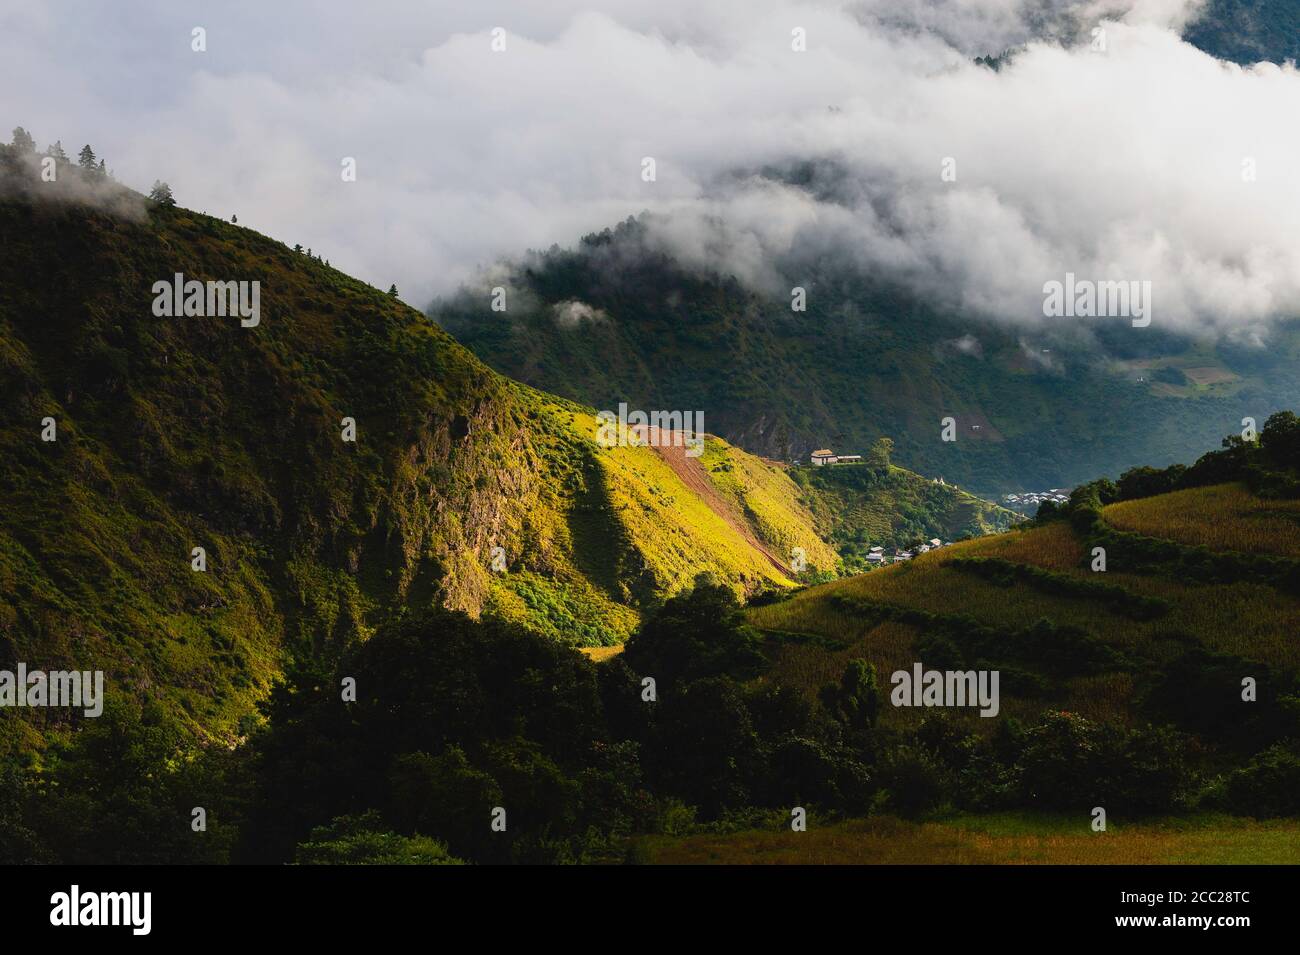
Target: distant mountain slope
x,y
863,506
176,433
852,506
1248,31
617,319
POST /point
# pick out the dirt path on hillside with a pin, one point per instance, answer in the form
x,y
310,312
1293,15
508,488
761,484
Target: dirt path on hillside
x,y
693,475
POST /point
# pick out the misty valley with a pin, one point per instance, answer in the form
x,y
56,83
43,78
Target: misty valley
x,y
829,433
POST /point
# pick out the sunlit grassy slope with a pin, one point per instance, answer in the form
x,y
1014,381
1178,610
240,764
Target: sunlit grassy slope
x,y
1143,613
185,432
770,501
1225,516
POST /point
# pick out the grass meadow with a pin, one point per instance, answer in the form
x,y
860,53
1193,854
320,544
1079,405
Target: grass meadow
x,y
995,839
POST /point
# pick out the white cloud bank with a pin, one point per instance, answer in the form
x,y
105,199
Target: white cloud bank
x,y
1122,164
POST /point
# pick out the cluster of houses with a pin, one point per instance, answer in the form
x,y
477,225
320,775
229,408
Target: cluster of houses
x,y
877,555
826,456
1031,499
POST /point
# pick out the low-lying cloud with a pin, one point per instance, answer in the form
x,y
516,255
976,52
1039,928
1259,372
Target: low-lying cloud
x,y
27,175
573,314
1125,155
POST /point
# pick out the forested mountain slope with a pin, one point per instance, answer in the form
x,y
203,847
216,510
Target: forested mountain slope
x,y
130,439
619,319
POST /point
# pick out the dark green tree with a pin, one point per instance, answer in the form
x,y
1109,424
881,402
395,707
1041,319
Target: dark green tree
x,y
445,797
161,193
362,840
878,456
1267,786
1147,481
698,633
704,748
1281,439
855,700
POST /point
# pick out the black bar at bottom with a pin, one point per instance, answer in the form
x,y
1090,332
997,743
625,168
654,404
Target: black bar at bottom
x,y
331,904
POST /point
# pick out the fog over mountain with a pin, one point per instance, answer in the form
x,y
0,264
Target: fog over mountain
x,y
1122,155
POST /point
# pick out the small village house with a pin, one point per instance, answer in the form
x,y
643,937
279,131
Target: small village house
x,y
827,456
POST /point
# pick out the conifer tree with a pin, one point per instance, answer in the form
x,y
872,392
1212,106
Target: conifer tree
x,y
161,193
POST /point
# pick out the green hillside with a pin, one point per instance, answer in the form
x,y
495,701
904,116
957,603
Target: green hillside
x,y
1045,407
1200,588
878,503
335,566
1162,685
717,728
176,433
1027,601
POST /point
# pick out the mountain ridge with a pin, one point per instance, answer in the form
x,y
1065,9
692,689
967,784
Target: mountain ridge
x,y
617,318
462,489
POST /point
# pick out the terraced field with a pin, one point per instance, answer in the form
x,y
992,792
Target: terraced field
x,y
1011,582
1225,516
